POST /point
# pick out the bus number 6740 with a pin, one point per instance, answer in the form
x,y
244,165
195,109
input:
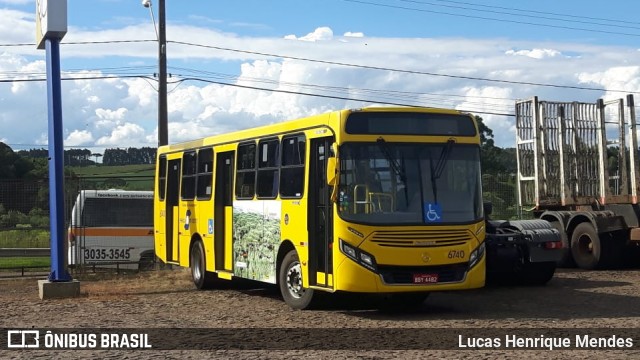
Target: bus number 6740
x,y
456,254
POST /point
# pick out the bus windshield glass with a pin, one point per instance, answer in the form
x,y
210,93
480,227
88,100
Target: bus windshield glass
x,y
117,212
390,183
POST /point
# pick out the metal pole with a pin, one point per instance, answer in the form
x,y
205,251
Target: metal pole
x,y
163,136
56,163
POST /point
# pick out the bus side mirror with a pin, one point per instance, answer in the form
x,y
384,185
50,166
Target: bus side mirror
x,y
488,208
331,171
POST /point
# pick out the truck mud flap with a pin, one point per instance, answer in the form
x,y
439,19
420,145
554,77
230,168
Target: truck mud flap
x,y
538,252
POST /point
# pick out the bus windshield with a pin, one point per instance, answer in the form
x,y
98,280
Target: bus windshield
x,y
391,183
117,212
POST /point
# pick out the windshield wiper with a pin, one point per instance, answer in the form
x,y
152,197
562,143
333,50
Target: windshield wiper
x,y
439,168
393,162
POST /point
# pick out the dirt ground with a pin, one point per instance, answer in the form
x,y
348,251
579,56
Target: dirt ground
x,y
575,301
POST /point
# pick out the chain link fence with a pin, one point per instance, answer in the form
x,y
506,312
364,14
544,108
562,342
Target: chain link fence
x,y
502,191
24,215
24,220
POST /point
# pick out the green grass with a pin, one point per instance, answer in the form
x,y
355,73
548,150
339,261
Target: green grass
x,y
24,262
120,171
24,239
125,177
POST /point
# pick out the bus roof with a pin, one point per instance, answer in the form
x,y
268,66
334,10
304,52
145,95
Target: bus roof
x,y
327,119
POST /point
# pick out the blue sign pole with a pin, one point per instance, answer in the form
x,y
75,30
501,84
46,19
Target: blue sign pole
x,y
56,163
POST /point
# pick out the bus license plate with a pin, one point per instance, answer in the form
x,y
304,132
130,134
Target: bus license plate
x,y
425,278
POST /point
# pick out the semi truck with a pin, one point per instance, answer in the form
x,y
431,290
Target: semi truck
x,y
577,166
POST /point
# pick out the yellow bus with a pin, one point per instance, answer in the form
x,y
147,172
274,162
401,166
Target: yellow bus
x,y
382,200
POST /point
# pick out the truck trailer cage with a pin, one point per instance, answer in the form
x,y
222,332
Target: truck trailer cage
x,y
578,163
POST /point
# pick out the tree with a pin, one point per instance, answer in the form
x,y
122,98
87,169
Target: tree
x,y
494,160
12,166
130,156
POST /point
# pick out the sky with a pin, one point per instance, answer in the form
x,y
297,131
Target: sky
x,y
243,63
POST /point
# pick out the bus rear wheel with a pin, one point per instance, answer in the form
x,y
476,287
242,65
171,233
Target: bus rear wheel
x,y
201,278
290,281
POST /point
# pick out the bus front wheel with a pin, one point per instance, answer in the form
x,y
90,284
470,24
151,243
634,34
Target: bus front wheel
x,y
290,281
201,278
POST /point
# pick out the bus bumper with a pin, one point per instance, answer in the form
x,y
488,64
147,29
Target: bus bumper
x,y
355,278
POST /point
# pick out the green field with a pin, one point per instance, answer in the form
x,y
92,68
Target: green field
x,y
105,171
24,238
24,262
125,177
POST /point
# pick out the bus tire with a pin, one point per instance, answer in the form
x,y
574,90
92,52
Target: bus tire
x,y
586,247
290,282
197,262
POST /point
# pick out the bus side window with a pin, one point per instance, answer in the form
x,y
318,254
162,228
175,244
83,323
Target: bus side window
x,y
267,180
188,190
205,173
292,166
162,177
246,171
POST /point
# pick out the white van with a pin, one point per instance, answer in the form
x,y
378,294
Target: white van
x,y
112,228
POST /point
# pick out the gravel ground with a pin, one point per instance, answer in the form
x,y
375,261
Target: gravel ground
x,y
245,315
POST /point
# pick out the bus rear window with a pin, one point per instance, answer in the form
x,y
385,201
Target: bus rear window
x,y
116,212
410,123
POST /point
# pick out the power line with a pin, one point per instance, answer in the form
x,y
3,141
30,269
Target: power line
x,y
105,77
83,42
516,14
332,96
490,18
145,77
415,72
382,93
353,65
537,12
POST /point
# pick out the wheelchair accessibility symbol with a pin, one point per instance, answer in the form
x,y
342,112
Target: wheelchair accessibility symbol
x,y
432,212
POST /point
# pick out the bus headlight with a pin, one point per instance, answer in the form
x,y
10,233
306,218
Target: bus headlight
x,y
476,255
361,257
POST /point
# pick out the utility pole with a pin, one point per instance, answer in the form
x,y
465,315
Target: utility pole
x,y
163,136
161,35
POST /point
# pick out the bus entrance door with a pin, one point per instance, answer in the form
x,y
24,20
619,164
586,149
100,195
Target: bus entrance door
x,y
320,224
171,210
223,211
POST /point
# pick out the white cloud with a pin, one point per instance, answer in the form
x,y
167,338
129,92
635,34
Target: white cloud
x,y
79,137
488,100
124,135
123,112
320,34
622,78
535,53
113,115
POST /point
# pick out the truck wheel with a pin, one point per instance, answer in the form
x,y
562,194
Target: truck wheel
x,y
538,273
586,247
566,260
290,281
201,278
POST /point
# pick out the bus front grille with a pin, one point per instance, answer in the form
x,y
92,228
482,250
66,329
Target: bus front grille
x,y
421,239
